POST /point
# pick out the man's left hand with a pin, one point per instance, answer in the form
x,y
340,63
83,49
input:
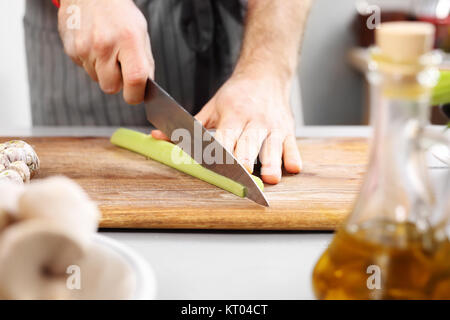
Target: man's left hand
x,y
252,116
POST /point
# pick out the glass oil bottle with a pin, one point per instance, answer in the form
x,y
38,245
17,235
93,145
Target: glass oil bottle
x,y
393,244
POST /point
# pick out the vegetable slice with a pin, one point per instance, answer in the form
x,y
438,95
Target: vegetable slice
x,y
173,156
441,93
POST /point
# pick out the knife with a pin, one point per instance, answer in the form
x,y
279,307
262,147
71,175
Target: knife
x,y
167,115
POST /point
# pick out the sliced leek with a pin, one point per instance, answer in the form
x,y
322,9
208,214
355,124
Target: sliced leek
x,y
441,93
173,156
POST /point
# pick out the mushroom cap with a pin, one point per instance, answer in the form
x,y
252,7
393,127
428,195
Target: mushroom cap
x,y
8,201
34,257
11,175
60,200
4,162
21,169
17,150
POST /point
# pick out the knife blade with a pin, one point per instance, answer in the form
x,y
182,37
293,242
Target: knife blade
x,y
167,115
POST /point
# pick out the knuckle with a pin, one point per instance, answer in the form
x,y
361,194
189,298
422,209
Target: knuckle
x,y
70,50
275,125
81,47
142,23
128,34
136,78
102,44
236,109
263,121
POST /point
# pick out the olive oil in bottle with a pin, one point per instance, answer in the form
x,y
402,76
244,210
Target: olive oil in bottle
x,y
403,263
393,245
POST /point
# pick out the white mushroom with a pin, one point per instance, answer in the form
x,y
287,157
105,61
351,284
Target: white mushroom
x,y
21,169
10,193
4,162
34,257
4,219
11,175
54,223
62,201
104,275
17,150
14,153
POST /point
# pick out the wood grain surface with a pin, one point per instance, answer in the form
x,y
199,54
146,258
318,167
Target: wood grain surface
x,y
134,192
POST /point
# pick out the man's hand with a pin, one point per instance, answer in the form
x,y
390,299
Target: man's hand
x,y
257,123
111,43
252,116
251,111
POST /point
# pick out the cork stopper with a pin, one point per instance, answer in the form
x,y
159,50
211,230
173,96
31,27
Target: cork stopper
x,y
405,41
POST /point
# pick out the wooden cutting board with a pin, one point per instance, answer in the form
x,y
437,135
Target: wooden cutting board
x,y
134,192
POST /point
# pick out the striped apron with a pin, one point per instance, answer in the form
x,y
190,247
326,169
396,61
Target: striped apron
x,y
195,45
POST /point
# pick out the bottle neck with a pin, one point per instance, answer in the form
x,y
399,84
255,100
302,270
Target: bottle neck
x,y
397,125
396,187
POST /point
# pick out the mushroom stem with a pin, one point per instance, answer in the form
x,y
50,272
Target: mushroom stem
x,y
34,257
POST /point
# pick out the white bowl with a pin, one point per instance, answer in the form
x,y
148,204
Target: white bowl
x,y
145,276
442,153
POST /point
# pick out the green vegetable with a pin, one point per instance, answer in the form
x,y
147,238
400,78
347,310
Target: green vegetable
x,y
441,93
173,156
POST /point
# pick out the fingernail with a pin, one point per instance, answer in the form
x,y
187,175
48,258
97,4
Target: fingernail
x,y
271,171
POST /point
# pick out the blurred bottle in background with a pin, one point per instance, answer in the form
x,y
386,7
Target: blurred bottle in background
x,y
437,13
372,12
368,12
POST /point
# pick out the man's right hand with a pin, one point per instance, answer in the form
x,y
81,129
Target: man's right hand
x,y
111,43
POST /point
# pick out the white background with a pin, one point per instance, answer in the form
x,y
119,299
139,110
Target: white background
x,y
14,97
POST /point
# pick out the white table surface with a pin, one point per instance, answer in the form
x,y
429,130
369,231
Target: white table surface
x,y
224,265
